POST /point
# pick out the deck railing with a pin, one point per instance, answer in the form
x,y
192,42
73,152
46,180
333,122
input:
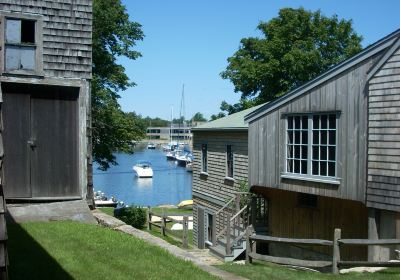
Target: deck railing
x,y
230,222
336,243
162,225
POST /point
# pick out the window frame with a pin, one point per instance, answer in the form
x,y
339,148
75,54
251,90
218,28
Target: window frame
x,y
309,176
38,19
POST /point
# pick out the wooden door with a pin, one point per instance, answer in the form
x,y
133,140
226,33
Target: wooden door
x,y
16,134
41,144
54,160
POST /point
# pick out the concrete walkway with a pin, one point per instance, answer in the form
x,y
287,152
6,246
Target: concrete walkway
x,y
194,256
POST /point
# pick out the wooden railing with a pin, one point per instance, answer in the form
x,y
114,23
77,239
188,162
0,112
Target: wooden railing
x,y
336,263
230,222
164,220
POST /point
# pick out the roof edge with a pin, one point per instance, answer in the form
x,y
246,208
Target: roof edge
x,y
378,46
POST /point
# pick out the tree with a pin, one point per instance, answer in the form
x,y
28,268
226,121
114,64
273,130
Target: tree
x,y
296,46
218,116
198,117
114,35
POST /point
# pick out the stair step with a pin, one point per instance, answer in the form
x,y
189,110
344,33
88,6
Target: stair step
x,y
222,242
219,252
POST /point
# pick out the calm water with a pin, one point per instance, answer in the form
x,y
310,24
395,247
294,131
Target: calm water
x,y
170,183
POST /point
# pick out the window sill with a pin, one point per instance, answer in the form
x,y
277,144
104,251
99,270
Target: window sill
x,y
202,173
229,179
328,180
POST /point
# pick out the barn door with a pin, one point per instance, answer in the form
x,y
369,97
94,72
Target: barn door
x,y
40,144
54,159
16,134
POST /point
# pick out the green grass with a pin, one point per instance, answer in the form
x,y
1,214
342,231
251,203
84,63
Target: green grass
x,y
259,270
107,210
156,231
70,250
172,211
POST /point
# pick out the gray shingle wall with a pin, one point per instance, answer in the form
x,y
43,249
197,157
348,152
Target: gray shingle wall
x,y
67,39
384,136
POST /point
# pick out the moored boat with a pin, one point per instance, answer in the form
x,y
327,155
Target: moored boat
x,y
143,169
151,146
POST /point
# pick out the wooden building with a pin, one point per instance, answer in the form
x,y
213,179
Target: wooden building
x,y
45,73
327,154
219,168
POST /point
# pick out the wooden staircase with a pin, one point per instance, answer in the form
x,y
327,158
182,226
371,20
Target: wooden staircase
x,y
228,231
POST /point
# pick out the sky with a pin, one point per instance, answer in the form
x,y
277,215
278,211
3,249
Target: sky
x,y
187,42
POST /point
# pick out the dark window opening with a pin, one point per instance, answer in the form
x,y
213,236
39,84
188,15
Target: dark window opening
x,y
204,157
307,200
27,31
210,227
229,161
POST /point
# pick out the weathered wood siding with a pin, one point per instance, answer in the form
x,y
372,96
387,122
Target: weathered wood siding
x,y
213,190
287,219
67,34
384,136
346,93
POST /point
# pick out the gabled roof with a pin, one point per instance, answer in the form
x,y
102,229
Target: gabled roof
x,y
382,44
231,122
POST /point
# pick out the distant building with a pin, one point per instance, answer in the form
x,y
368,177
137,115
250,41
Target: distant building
x,y
176,132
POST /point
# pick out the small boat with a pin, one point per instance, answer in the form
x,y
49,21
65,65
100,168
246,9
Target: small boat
x,y
170,155
189,167
143,169
101,200
186,204
151,146
184,158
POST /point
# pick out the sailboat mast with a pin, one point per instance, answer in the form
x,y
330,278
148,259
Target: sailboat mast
x,y
182,109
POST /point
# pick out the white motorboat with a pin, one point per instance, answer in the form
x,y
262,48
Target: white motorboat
x,y
101,200
151,146
189,167
143,169
184,158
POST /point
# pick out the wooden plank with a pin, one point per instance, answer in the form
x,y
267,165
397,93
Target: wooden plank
x,y
368,264
264,238
289,261
369,241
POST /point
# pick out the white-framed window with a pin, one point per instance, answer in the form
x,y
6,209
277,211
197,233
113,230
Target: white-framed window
x,y
311,146
22,45
229,161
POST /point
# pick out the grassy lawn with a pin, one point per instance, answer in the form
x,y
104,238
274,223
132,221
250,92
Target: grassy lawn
x,y
259,270
172,211
70,250
156,231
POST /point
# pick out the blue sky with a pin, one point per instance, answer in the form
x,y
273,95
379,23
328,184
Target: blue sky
x,y
188,42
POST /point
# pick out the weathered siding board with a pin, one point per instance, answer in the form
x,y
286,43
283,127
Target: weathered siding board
x,y
347,94
287,219
383,139
215,186
67,34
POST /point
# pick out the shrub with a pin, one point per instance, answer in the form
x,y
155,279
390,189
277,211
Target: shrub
x,y
132,215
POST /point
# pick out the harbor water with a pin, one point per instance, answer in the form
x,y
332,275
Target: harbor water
x,y
170,183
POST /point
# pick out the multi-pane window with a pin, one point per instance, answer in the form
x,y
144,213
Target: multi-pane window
x,y
311,145
324,145
229,161
20,46
204,157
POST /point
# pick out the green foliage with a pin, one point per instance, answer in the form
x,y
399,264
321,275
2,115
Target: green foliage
x,y
296,46
132,215
243,186
114,35
217,116
158,122
198,117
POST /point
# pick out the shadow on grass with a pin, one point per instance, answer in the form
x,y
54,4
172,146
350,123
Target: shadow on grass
x,y
28,259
